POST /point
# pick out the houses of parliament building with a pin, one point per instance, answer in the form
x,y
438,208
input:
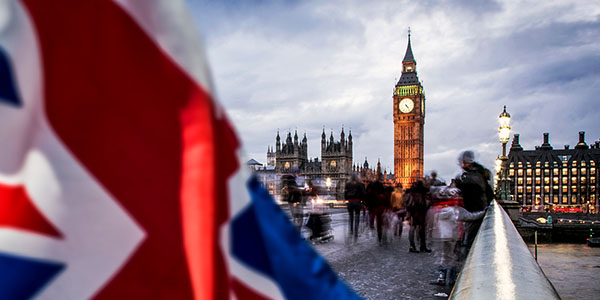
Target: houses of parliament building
x,y
330,172
290,156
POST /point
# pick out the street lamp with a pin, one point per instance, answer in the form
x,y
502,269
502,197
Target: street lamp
x,y
504,130
328,184
503,134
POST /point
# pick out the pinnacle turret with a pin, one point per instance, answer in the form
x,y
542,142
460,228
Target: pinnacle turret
x,y
409,68
408,56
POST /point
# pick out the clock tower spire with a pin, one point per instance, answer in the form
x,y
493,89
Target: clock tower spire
x,y
409,119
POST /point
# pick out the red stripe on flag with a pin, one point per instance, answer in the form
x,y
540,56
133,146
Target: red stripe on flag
x,y
18,211
148,134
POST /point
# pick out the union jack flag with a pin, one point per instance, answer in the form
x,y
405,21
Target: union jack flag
x,y
120,174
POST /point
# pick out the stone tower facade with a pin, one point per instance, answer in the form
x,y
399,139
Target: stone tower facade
x,y
336,157
290,155
335,164
409,119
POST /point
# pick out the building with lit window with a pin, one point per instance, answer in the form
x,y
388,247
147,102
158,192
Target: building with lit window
x,y
561,180
290,156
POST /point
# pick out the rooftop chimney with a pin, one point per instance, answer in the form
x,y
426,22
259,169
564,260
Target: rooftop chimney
x,y
581,144
515,146
546,145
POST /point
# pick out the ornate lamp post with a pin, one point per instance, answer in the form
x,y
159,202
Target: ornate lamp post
x,y
503,134
498,168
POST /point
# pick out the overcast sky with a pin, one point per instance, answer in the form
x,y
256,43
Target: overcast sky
x,y
309,65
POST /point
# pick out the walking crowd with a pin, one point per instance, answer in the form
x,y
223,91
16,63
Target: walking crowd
x,y
443,219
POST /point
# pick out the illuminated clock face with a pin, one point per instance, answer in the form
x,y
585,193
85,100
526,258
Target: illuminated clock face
x,y
406,105
286,165
333,164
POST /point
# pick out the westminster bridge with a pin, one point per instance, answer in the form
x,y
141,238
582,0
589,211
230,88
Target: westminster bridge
x,y
499,266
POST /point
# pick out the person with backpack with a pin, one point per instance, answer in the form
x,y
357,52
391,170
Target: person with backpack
x,y
475,190
417,205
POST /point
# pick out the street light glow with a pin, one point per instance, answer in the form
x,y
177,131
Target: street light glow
x,y
504,133
498,164
504,130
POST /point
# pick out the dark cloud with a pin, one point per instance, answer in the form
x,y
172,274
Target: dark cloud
x,y
472,7
306,65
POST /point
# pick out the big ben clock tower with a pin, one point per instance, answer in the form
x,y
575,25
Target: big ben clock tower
x,y
409,118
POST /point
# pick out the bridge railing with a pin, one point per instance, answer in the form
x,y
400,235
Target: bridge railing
x,y
500,266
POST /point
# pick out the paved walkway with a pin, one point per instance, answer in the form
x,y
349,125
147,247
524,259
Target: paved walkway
x,y
381,272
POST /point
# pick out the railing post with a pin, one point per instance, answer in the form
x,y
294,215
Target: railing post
x,y
500,265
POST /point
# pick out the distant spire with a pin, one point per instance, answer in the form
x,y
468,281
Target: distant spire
x,y
350,139
409,55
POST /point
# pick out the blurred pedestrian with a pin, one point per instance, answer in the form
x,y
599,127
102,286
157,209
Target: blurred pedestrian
x,y
311,192
475,190
433,180
354,193
444,218
379,203
417,205
292,193
388,216
397,201
370,204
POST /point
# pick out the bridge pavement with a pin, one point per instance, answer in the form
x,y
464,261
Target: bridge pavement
x,y
380,272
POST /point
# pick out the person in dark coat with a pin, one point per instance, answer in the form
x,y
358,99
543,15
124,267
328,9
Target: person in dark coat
x,y
475,190
417,205
369,204
379,203
354,193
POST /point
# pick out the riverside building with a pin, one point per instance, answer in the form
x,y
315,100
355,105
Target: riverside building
x,y
559,180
